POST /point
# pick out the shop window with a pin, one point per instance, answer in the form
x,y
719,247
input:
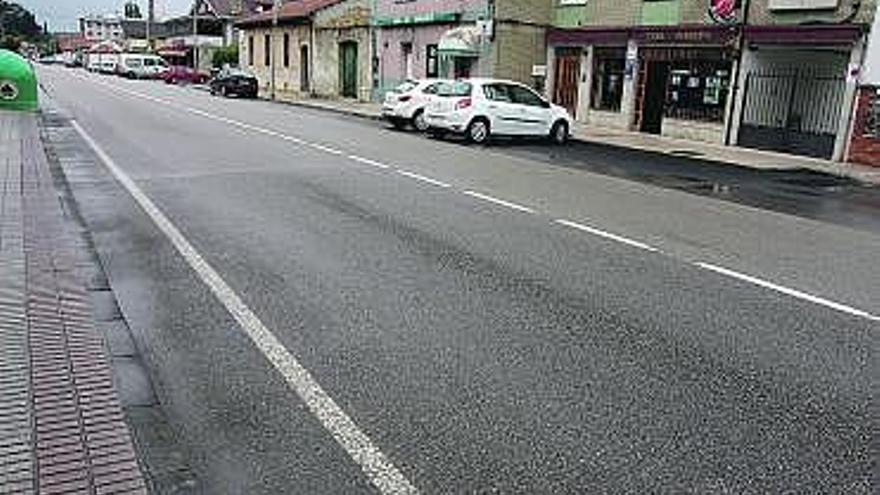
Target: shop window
x,y
432,61
607,90
697,90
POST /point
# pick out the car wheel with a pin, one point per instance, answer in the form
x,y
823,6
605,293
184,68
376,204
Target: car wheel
x,y
418,121
478,131
559,132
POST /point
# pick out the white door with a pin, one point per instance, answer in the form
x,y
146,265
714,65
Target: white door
x,y
502,112
534,111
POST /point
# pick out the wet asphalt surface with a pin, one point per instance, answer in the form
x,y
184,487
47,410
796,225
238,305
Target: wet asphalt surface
x,y
483,350
804,193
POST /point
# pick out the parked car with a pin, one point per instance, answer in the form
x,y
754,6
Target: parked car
x,y
481,108
236,82
140,66
108,66
405,104
177,74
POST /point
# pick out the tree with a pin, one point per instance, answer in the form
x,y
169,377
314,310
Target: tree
x,y
225,55
18,25
133,10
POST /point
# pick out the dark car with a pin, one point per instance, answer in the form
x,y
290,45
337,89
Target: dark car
x,y
178,74
230,82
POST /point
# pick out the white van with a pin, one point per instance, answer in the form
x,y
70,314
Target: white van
x,y
140,66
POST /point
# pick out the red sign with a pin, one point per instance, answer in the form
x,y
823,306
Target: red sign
x,y
723,11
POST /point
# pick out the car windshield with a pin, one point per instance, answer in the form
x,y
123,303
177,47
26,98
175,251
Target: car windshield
x,y
406,87
456,88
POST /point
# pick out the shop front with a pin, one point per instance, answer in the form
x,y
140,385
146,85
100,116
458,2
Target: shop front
x,y
683,82
668,80
798,89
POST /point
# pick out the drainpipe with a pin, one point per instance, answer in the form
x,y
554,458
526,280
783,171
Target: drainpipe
x,y
734,93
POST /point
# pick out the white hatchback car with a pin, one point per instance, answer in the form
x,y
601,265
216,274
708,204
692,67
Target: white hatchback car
x,y
480,108
405,104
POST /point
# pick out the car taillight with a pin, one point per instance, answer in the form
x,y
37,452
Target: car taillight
x,y
463,103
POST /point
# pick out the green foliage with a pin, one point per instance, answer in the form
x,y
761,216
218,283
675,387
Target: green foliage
x,y
17,26
225,55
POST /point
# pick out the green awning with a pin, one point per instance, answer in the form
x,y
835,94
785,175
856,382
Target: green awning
x,y
462,41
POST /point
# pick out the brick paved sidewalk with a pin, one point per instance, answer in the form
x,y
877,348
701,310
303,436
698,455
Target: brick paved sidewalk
x,y
62,429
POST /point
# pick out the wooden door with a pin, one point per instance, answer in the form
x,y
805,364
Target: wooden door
x,y
568,71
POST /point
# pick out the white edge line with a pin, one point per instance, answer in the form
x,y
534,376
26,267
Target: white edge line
x,y
367,161
500,202
607,235
378,468
422,178
788,291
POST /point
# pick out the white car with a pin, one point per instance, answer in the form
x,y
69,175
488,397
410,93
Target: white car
x,y
480,108
405,104
140,66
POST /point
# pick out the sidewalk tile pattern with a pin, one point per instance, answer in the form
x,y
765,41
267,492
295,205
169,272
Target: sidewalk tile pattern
x,y
62,428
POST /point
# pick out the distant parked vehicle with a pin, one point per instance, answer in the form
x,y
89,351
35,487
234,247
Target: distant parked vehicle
x,y
140,66
108,66
405,104
481,108
177,74
229,82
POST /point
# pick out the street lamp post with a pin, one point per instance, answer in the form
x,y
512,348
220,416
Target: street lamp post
x,y
275,6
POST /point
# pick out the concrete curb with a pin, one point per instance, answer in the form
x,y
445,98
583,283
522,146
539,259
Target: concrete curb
x,y
843,170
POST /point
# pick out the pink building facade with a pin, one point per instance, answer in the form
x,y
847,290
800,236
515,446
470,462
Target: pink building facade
x,y
410,40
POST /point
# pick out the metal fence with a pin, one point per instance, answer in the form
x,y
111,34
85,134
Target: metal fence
x,y
797,112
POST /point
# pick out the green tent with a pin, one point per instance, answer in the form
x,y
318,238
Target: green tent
x,y
18,83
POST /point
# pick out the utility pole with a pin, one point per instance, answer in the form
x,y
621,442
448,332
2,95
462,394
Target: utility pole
x,y
151,16
195,16
275,6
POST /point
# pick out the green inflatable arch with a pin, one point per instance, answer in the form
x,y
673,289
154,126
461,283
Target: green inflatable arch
x,y
18,83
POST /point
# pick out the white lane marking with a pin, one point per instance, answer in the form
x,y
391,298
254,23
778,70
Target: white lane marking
x,y
384,475
367,161
325,149
422,178
607,235
791,292
499,202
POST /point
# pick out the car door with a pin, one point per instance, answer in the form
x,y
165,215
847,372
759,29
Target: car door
x,y
533,110
503,114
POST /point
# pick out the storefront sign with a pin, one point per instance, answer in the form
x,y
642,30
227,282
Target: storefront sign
x,y
685,36
429,18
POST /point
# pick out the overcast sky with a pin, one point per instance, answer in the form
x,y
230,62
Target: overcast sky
x,y
61,14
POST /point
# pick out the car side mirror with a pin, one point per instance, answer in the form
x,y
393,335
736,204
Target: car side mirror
x,y
545,104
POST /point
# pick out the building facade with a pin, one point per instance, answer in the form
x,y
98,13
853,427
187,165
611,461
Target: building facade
x,y
97,28
459,38
320,48
775,77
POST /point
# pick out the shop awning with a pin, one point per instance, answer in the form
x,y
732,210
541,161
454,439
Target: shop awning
x,y
818,34
462,41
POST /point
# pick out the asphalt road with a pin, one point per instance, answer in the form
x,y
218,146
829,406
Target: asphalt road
x,y
489,321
